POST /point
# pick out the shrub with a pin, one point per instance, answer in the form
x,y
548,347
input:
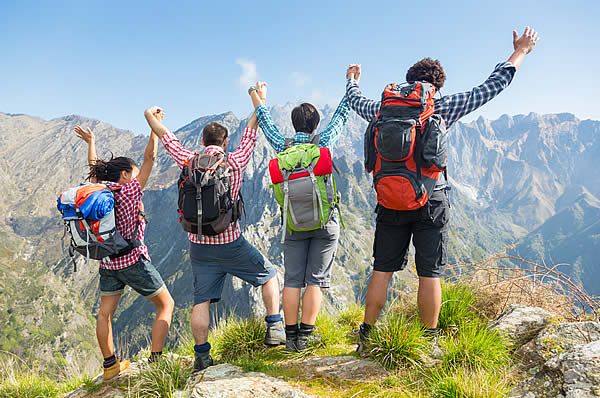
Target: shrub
x,y
475,346
468,383
397,341
458,305
161,378
234,338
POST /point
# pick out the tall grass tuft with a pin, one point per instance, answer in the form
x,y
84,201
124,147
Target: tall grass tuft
x,y
162,378
234,338
458,305
475,346
350,318
397,341
469,383
16,381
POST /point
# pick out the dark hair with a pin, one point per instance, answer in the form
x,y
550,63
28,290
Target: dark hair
x,y
103,170
305,118
214,134
428,70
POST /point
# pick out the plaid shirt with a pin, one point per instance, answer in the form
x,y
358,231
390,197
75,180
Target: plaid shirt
x,y
451,107
237,162
327,138
128,205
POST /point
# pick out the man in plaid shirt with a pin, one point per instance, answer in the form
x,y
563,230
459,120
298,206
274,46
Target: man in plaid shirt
x,y
427,226
213,257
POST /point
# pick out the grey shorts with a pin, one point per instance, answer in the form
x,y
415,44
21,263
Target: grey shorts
x,y
212,263
141,276
308,255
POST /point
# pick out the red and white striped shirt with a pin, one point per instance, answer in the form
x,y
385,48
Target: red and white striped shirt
x,y
128,205
237,162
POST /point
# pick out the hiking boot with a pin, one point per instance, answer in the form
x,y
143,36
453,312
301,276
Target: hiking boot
x,y
114,370
291,342
363,339
305,341
275,335
202,360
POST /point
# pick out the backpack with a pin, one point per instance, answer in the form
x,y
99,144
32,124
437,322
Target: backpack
x,y
304,186
88,213
205,195
405,146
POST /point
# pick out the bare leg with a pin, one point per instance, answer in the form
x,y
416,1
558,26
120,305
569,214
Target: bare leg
x,y
270,295
311,302
164,310
200,322
108,306
291,304
376,295
429,300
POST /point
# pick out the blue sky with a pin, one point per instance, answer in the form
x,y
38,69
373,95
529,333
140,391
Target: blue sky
x,y
110,60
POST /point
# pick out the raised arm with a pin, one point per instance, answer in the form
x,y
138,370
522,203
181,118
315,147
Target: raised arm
x,y
89,137
150,153
331,133
258,94
366,108
173,146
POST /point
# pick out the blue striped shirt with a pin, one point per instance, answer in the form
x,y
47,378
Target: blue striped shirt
x,y
327,138
450,107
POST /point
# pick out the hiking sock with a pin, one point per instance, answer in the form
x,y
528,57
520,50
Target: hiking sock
x,y
272,319
110,361
291,330
199,348
154,356
432,332
306,329
365,329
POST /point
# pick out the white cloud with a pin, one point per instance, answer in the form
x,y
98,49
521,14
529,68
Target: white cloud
x,y
249,75
300,79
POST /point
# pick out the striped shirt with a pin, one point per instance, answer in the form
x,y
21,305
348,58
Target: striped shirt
x,y
326,139
129,203
237,162
450,107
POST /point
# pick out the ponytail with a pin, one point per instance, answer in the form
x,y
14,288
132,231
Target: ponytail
x,y
110,170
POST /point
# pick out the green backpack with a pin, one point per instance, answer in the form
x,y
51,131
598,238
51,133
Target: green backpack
x,y
304,186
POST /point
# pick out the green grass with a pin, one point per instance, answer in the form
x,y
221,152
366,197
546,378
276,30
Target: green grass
x,y
350,319
468,383
234,338
458,306
475,346
162,378
397,341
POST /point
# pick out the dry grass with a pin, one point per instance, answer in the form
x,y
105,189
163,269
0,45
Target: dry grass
x,y
499,285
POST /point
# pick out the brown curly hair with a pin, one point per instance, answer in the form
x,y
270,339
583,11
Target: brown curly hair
x,y
428,70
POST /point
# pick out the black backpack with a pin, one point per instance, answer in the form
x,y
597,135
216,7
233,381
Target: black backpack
x,y
205,195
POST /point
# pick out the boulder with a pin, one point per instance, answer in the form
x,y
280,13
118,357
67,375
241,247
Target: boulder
x,y
341,368
556,339
229,381
572,374
521,323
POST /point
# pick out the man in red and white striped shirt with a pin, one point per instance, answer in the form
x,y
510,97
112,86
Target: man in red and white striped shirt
x,y
213,257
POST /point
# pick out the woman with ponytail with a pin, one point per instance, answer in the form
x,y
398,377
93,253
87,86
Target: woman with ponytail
x,y
134,269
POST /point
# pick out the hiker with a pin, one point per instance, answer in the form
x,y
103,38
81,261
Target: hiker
x,y
134,269
214,256
427,225
308,254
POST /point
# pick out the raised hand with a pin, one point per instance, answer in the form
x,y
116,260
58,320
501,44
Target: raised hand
x,y
261,89
526,42
353,72
87,136
156,112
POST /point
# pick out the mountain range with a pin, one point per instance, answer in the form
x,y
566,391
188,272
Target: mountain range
x,y
525,179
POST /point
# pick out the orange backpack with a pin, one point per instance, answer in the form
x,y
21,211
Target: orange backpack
x,y
405,146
